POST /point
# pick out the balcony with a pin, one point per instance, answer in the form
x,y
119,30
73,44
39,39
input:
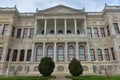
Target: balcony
x,y
60,38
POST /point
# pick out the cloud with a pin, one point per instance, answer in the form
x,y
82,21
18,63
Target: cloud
x,y
31,5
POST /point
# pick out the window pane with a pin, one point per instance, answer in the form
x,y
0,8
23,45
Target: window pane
x,y
1,50
39,53
22,52
81,53
18,33
50,52
89,32
96,33
116,28
60,53
25,33
106,54
5,30
31,32
70,53
29,55
102,32
92,54
99,52
15,55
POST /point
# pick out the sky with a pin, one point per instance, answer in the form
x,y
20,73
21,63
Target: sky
x,y
31,5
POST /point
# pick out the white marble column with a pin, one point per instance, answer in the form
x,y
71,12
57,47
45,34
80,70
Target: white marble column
x,y
43,49
85,25
75,24
66,51
55,26
45,26
36,28
77,53
88,51
32,55
65,25
55,52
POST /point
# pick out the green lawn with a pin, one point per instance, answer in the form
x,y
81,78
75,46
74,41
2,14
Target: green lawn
x,y
93,77
26,78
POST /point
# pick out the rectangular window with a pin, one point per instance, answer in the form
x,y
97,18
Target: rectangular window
x,y
14,58
31,32
108,31
92,54
99,52
116,28
113,54
102,32
13,31
89,32
5,29
8,55
25,33
106,54
22,52
18,33
1,50
96,33
29,55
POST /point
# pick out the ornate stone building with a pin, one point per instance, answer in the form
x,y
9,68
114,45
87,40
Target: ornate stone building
x,y
61,33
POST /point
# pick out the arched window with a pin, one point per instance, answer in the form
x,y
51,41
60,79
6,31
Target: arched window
x,y
70,53
42,32
29,55
60,32
39,53
69,32
60,55
50,51
52,32
99,53
78,32
82,53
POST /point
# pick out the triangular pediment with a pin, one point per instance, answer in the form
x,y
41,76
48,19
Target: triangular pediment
x,y
60,9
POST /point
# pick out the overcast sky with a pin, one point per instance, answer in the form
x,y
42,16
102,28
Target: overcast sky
x,y
31,5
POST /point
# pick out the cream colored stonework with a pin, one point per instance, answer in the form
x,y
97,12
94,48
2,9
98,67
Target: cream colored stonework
x,y
60,18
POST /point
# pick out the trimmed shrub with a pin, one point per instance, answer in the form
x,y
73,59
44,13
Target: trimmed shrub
x,y
75,67
46,66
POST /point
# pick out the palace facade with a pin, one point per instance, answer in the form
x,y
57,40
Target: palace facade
x,y
61,33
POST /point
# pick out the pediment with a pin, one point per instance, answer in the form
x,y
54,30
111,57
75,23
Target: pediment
x,y
60,9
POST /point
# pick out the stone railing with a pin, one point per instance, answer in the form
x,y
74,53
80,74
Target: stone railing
x,y
60,38
7,9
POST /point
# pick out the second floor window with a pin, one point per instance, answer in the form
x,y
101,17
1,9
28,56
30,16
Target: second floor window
x,y
25,33
18,33
31,32
102,32
116,28
96,33
5,29
89,32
